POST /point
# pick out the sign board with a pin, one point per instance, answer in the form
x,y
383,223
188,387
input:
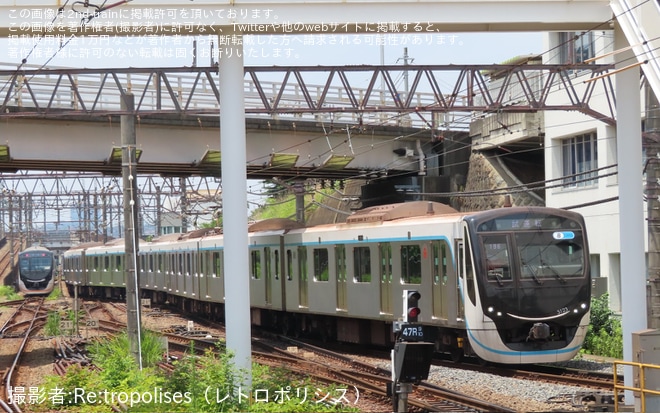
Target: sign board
x,y
66,325
412,332
92,323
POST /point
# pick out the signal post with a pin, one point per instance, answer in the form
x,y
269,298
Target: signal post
x,y
412,354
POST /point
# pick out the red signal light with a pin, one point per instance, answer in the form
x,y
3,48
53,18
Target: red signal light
x,y
414,312
411,309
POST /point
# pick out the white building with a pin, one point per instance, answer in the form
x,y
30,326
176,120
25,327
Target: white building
x,y
577,143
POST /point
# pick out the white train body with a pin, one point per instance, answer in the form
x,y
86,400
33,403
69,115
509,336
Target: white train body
x,y
509,285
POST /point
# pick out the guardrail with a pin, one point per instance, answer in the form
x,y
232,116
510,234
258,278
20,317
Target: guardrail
x,y
641,390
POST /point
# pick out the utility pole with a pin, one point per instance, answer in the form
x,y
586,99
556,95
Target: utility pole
x,y
184,205
299,192
652,143
131,238
406,60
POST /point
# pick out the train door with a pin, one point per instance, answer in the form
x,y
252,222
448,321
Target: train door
x,y
215,280
202,270
385,252
460,271
268,284
181,274
303,300
439,256
189,273
340,260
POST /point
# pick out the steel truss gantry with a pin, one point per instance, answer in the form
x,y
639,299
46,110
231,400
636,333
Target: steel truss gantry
x,y
88,206
314,91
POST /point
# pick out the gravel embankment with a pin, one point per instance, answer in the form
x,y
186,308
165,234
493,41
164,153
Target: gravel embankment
x,y
518,394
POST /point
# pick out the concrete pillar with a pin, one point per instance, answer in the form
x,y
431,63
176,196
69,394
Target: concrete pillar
x,y
631,206
131,236
234,200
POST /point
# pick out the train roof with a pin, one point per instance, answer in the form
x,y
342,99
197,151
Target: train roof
x,y
275,224
35,248
392,212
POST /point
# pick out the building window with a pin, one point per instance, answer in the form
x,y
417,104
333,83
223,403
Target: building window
x,y
576,47
580,160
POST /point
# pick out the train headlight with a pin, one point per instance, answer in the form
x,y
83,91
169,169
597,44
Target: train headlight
x,y
575,311
583,306
491,309
499,314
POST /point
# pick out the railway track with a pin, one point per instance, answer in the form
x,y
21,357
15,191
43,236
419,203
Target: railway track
x,y
328,365
27,318
543,373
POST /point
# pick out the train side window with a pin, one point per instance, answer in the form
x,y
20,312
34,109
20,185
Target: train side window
x,y
180,262
106,263
498,258
277,264
340,260
267,270
439,262
302,264
321,267
189,268
469,270
151,262
255,264
411,264
96,263
217,264
160,261
362,264
385,250
289,265
118,263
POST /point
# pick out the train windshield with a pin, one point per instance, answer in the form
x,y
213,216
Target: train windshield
x,y
532,248
35,267
542,255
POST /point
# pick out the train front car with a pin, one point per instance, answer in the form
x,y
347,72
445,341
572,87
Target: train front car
x,y
527,295
36,267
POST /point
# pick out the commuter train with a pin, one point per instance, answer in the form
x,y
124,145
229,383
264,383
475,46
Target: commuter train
x,y
510,285
36,271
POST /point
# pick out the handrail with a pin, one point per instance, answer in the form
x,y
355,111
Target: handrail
x,y
642,383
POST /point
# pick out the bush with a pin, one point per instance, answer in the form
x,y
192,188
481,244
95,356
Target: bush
x,y
207,383
52,327
55,294
7,293
605,333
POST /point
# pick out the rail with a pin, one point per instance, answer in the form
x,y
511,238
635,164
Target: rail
x,y
642,390
7,382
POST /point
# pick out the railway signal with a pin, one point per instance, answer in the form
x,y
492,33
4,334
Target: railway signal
x,y
411,309
411,356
